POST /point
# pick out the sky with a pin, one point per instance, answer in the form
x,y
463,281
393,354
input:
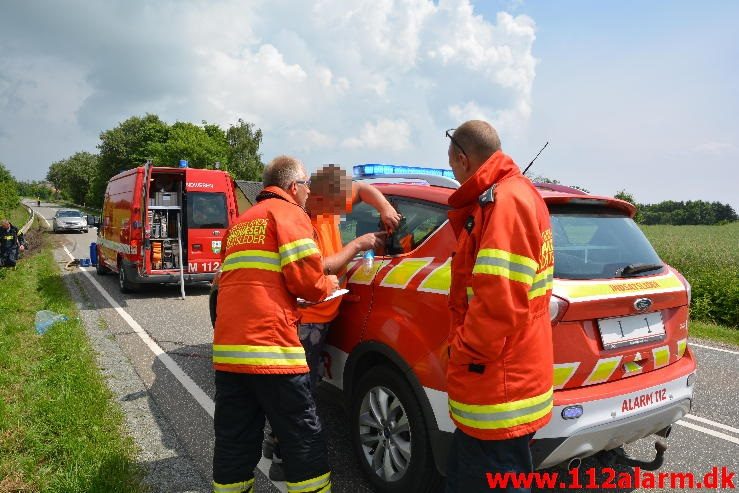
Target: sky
x,y
633,95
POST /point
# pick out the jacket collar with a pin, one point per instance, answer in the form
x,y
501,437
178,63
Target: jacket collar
x,y
276,193
497,168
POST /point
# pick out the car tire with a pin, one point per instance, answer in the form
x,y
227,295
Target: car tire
x,y
123,282
401,436
84,230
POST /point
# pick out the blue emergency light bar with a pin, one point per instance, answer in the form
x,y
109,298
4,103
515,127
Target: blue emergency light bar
x,y
371,169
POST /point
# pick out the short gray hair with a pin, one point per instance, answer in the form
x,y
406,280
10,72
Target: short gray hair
x,y
478,139
282,171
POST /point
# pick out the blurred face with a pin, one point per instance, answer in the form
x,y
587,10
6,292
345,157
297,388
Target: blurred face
x,y
331,190
458,162
5,224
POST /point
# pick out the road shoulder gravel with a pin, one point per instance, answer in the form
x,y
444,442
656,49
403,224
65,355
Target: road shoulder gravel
x,y
167,466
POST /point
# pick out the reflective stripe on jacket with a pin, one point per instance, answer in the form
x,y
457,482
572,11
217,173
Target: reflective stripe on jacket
x,y
269,259
500,367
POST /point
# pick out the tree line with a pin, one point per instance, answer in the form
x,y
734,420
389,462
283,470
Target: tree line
x,y
9,198
83,177
681,212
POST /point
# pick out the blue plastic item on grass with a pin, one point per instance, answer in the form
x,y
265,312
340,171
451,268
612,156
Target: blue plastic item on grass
x,y
46,318
84,262
94,253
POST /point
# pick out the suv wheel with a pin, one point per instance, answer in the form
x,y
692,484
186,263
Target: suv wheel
x,y
390,436
123,282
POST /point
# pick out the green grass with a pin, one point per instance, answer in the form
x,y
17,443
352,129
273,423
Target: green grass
x,y
19,216
708,257
59,428
714,332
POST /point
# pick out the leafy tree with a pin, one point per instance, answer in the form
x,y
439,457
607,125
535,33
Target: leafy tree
x,y
200,147
244,160
125,147
74,176
35,189
8,192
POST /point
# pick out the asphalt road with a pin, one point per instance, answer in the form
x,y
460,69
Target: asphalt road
x,y
167,341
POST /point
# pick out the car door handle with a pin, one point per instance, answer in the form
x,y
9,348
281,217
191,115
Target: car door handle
x,y
352,298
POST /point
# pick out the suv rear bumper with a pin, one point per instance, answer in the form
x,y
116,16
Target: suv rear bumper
x,y
614,413
132,274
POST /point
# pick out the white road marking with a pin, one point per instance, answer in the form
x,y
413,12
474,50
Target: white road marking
x,y
716,434
712,423
714,348
196,392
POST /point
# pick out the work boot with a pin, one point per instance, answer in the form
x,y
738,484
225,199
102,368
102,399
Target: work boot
x,y
277,469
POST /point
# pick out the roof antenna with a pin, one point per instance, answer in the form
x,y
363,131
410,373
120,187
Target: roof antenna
x,y
537,155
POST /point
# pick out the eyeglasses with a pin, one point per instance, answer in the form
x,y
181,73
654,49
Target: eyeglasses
x,y
455,142
303,182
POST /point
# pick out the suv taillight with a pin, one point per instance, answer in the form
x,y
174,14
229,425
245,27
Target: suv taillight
x,y
557,309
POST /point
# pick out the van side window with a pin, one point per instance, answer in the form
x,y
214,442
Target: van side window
x,y
206,210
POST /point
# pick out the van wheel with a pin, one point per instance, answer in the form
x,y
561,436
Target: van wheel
x,y
123,282
390,436
100,268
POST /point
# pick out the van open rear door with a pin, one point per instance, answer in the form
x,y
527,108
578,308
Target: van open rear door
x,y
206,222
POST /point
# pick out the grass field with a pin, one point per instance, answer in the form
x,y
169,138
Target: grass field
x,y
59,429
19,216
708,256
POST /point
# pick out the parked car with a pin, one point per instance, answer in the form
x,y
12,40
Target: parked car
x,y
69,220
619,315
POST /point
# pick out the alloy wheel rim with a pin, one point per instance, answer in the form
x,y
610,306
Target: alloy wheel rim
x,y
385,434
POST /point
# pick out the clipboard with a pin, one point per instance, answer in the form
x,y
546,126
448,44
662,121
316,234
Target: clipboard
x,y
335,294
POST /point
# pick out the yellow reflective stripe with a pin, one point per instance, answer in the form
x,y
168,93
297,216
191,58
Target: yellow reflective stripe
x,y
603,370
322,481
682,345
296,250
470,293
496,416
661,356
506,264
563,372
252,259
632,368
508,256
258,355
542,283
232,487
439,280
400,275
617,287
365,276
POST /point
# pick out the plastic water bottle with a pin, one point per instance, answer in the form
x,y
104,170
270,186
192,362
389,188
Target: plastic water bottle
x,y
368,260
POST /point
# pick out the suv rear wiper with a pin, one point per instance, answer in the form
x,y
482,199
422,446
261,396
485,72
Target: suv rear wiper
x,y
633,269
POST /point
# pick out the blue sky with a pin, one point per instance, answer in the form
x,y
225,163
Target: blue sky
x,y
631,95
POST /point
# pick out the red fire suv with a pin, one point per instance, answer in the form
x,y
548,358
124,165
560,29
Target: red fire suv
x,y
622,369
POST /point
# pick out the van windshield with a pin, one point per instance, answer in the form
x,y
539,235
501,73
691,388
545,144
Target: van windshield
x,y
206,210
600,243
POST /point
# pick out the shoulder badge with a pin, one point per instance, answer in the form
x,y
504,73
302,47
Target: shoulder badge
x,y
488,196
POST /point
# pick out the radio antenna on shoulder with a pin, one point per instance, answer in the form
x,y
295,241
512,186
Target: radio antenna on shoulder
x,y
537,155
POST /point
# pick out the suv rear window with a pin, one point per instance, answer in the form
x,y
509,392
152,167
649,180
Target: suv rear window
x,y
594,243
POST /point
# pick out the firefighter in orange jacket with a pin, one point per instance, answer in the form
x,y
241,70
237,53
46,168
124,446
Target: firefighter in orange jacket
x,y
270,259
499,376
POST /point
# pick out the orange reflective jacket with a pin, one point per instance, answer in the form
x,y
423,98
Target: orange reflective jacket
x,y
270,259
500,365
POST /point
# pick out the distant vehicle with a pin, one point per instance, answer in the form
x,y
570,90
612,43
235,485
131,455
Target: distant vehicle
x,y
69,220
161,224
623,368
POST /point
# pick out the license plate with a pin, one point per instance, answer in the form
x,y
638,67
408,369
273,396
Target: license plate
x,y
628,331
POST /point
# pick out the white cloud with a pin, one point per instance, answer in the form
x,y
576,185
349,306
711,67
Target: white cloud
x,y
344,80
715,148
385,134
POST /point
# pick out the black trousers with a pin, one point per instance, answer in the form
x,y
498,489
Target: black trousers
x,y
242,402
471,459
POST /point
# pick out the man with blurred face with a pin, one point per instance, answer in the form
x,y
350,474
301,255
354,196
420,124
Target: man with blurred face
x,y
9,244
332,193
